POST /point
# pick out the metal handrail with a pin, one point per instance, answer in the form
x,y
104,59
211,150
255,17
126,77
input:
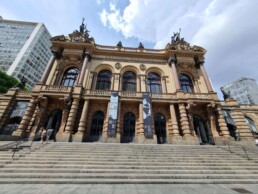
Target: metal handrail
x,y
231,144
16,144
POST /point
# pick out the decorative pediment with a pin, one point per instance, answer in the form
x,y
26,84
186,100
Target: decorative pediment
x,y
198,49
58,38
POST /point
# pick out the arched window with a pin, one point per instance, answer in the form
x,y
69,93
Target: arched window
x,y
70,76
128,127
186,83
97,123
160,128
251,125
129,81
154,83
104,80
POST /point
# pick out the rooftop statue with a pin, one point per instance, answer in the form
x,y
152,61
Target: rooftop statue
x,y
140,45
119,44
176,37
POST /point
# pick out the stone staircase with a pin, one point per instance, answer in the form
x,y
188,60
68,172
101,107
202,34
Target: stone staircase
x,y
83,163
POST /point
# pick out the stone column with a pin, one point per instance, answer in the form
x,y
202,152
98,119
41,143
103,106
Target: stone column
x,y
184,120
164,85
174,72
118,124
83,70
205,76
210,110
112,82
89,83
222,123
105,126
141,136
54,78
24,124
196,85
48,68
80,134
70,121
174,134
138,84
95,77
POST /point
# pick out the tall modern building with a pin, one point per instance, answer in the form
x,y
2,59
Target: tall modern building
x,y
243,90
24,49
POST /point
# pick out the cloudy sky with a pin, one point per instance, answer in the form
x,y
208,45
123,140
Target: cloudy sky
x,y
227,29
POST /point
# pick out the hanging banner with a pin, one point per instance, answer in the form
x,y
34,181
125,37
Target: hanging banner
x,y
112,117
147,118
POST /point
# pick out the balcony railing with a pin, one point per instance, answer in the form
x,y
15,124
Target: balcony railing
x,y
165,96
98,92
130,94
57,88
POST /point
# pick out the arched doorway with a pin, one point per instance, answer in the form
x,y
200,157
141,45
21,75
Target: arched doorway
x,y
54,122
160,128
202,130
96,126
128,128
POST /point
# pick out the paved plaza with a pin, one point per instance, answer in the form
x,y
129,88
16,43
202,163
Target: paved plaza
x,y
129,188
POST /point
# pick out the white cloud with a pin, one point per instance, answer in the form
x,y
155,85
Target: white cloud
x,y
100,1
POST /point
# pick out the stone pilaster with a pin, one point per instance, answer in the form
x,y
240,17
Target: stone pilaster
x,y
79,136
241,124
141,136
174,131
222,124
66,136
48,68
24,124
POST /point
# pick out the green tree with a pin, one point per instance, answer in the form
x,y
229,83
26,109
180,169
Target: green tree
x,y
6,82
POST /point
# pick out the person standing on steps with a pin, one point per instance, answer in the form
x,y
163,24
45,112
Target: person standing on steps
x,y
43,134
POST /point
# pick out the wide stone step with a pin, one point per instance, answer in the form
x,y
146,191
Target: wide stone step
x,y
110,166
128,171
125,181
128,176
158,165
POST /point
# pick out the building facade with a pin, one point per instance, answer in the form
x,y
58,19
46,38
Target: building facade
x,y
24,49
96,93
244,90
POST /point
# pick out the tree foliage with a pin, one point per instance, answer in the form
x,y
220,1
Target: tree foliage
x,y
6,82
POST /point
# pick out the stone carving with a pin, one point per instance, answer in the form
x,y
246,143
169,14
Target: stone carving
x,y
226,95
142,67
118,66
22,83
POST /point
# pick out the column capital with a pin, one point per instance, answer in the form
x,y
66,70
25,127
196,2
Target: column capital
x,y
199,62
87,55
172,59
57,51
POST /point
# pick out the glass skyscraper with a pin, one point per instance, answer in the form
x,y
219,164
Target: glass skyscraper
x,y
244,90
24,49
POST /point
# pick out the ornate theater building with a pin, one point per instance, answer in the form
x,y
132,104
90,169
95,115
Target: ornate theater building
x,y
96,93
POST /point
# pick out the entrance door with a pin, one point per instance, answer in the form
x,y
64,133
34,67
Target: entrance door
x,y
160,128
128,128
54,122
202,130
96,126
